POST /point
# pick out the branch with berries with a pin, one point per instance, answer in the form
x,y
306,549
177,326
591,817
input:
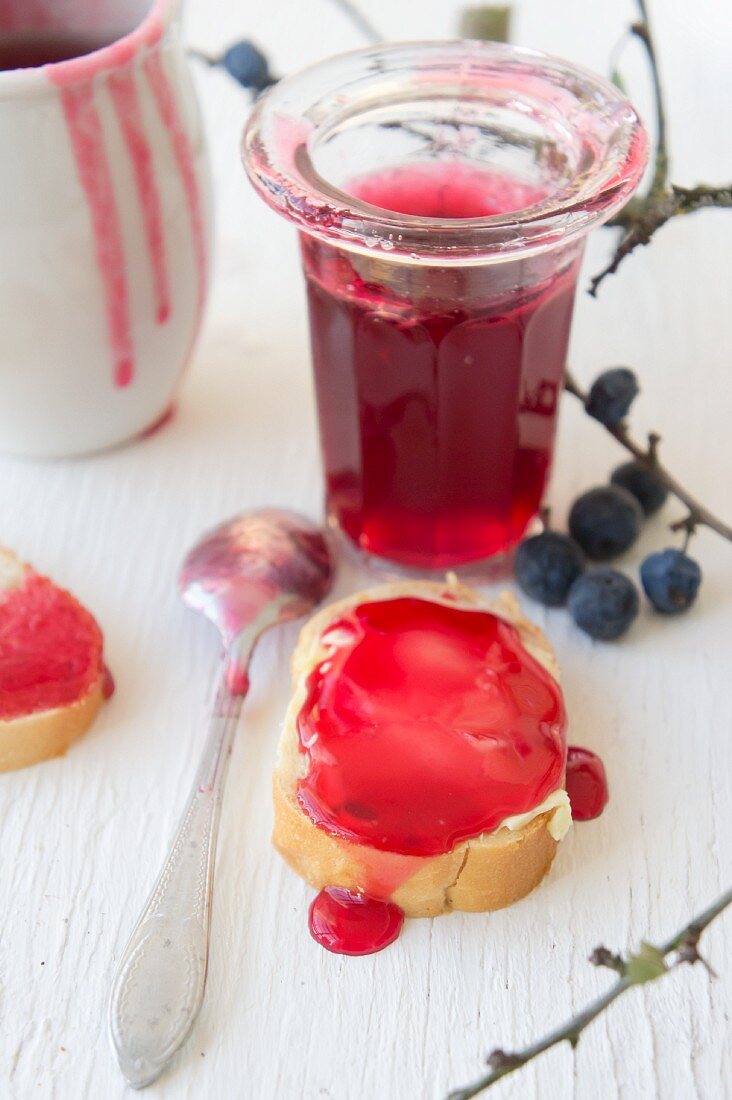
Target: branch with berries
x,y
608,402
605,521
646,965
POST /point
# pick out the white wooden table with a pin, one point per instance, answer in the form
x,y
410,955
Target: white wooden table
x,y
83,837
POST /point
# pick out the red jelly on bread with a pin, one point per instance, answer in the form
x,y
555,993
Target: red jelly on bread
x,y
52,673
427,724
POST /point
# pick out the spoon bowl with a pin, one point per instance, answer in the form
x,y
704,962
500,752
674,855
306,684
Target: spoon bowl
x,y
243,566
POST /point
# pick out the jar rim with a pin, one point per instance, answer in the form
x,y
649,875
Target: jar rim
x,y
278,139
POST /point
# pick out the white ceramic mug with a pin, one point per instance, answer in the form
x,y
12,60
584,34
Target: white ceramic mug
x,y
104,221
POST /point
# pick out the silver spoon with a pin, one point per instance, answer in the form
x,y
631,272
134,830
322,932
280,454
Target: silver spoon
x,y
247,575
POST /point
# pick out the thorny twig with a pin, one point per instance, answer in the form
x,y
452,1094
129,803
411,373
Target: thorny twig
x,y
644,215
648,964
651,213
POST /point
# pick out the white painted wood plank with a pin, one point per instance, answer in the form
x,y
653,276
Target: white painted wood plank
x,y
83,837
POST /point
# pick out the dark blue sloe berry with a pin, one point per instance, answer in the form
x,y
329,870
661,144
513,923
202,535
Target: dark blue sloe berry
x,y
546,565
248,66
605,521
603,603
611,395
671,580
643,484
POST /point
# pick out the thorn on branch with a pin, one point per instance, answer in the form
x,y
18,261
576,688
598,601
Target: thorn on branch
x,y
654,440
688,950
640,30
602,956
499,1060
688,523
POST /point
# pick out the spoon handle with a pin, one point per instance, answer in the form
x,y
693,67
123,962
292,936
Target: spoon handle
x,y
158,988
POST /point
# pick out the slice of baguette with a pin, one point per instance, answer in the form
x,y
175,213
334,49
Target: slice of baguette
x,y
40,734
484,873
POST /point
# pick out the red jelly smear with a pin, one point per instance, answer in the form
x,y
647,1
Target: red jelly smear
x,y
108,685
50,648
586,784
353,924
426,725
238,680
437,393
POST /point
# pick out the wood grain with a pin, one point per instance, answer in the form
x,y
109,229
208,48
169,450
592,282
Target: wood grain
x,y
83,837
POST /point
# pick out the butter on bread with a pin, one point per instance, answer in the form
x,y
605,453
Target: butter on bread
x,y
483,873
40,732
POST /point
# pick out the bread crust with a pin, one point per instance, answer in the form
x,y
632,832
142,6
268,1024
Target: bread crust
x,y
484,873
31,738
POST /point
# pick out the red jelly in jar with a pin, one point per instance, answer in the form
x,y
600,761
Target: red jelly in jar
x,y
437,389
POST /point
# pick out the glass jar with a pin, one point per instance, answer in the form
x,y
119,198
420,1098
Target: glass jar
x,y
443,192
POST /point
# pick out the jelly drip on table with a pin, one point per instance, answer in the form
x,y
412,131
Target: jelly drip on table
x,y
349,923
586,784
